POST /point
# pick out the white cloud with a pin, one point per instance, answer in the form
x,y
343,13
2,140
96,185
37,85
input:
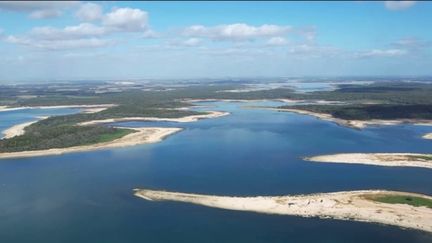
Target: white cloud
x,y
192,42
309,33
45,14
87,34
126,20
150,34
84,35
277,41
237,32
399,5
176,43
313,50
382,53
89,12
38,9
411,43
69,32
59,44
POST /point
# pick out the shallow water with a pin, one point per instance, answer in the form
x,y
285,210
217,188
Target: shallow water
x,y
87,197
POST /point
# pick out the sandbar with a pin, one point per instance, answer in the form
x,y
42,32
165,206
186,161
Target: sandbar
x,y
380,159
346,205
86,108
140,136
427,136
18,130
358,124
211,114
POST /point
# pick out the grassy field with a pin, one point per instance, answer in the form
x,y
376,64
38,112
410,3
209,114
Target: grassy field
x,y
403,199
421,157
118,133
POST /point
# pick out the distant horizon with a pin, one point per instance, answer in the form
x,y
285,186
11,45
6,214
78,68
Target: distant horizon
x,y
212,79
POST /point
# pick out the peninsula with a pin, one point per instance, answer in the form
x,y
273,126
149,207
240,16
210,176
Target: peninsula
x,y
380,159
191,118
18,129
358,124
407,210
137,136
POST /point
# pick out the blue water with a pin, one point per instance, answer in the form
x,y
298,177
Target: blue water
x,y
87,197
14,117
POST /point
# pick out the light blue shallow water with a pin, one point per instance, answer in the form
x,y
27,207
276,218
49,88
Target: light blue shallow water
x,y
87,197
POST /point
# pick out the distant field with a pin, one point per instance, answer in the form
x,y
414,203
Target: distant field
x,y
403,199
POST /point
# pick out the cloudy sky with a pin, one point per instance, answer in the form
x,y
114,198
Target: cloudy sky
x,y
132,40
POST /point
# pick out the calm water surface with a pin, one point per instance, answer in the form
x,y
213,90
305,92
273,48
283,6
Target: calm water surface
x,y
87,197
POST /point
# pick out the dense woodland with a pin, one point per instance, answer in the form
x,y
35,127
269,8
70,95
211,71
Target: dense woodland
x,y
37,138
367,112
387,101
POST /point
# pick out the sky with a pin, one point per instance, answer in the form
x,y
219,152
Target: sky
x,y
74,40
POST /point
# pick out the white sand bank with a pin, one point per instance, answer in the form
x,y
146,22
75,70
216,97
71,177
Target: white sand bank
x,y
86,108
211,114
359,124
18,130
381,159
350,205
427,136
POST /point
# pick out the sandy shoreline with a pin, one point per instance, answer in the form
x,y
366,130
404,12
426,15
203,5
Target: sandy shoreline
x,y
358,124
86,108
141,136
349,205
427,136
380,159
292,101
18,129
211,114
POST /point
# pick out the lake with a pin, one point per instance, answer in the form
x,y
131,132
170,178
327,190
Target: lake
x,y
87,197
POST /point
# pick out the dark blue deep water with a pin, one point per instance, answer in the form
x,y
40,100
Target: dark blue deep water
x,y
87,197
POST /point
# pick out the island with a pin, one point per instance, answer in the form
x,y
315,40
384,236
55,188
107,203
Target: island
x,y
379,159
191,118
403,209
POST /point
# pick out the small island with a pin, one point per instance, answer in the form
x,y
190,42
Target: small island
x,y
403,209
380,159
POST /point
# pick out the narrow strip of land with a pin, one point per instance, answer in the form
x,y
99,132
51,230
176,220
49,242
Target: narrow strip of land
x,y
428,136
211,114
366,206
359,124
86,108
140,136
380,159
